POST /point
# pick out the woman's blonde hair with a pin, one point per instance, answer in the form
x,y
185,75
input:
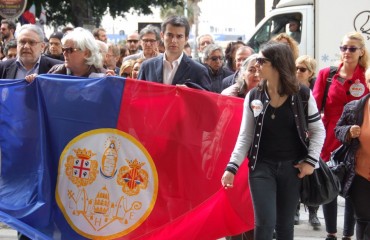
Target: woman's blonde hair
x,y
126,64
309,62
364,59
291,42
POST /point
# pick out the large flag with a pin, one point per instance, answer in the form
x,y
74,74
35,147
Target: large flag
x,y
116,158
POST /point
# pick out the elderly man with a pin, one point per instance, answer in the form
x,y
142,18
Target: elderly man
x,y
241,54
213,59
149,39
174,67
202,42
30,45
111,58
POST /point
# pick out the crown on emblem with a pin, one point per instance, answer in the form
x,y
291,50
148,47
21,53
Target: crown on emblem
x,y
83,153
135,164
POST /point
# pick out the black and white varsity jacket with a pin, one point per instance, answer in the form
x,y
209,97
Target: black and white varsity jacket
x,y
255,105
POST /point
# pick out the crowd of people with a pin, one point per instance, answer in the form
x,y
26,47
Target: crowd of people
x,y
271,82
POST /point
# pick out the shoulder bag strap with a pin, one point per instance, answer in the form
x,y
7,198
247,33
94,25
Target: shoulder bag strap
x,y
332,72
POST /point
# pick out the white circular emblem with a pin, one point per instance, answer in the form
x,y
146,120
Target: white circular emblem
x,y
257,107
357,89
107,184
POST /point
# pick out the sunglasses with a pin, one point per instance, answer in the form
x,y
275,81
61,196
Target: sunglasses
x,y
132,41
350,49
301,69
215,58
69,50
262,60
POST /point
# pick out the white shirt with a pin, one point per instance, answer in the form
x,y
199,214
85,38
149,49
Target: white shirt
x,y
169,70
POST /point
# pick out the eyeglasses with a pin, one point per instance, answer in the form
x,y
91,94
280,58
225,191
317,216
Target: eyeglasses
x,y
23,43
69,50
132,41
148,41
205,43
215,58
125,74
301,69
262,60
350,49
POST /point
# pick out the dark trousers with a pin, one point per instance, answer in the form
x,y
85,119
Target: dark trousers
x,y
359,196
275,190
330,211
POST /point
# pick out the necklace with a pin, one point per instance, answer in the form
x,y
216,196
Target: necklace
x,y
273,114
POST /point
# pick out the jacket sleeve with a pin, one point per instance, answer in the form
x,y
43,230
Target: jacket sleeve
x,y
244,139
316,131
343,124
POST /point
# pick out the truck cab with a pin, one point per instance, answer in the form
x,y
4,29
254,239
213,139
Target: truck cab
x,y
322,25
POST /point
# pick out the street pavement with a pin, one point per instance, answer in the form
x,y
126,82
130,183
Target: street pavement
x,y
303,231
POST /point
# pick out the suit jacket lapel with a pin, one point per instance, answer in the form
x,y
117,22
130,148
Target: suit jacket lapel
x,y
183,68
159,69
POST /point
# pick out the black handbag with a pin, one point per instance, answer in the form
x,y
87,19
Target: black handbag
x,y
336,163
321,187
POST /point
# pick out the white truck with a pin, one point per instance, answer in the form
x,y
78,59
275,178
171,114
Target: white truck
x,y
323,23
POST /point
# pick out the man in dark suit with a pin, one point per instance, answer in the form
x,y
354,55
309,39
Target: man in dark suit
x,y
174,67
30,45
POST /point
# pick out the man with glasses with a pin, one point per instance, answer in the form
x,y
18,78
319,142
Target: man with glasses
x,y
111,58
202,42
174,67
132,43
30,45
149,39
213,59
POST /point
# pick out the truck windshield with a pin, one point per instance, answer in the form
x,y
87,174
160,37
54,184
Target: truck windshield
x,y
288,23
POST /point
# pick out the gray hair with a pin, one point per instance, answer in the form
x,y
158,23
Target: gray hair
x,y
210,49
150,29
204,35
33,28
244,68
83,39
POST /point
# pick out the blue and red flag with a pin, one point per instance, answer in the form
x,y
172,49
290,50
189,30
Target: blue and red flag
x,y
116,158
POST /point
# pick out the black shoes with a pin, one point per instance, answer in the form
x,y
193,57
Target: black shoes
x,y
296,217
314,220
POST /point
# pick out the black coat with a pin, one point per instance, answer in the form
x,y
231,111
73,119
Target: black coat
x,y
353,114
